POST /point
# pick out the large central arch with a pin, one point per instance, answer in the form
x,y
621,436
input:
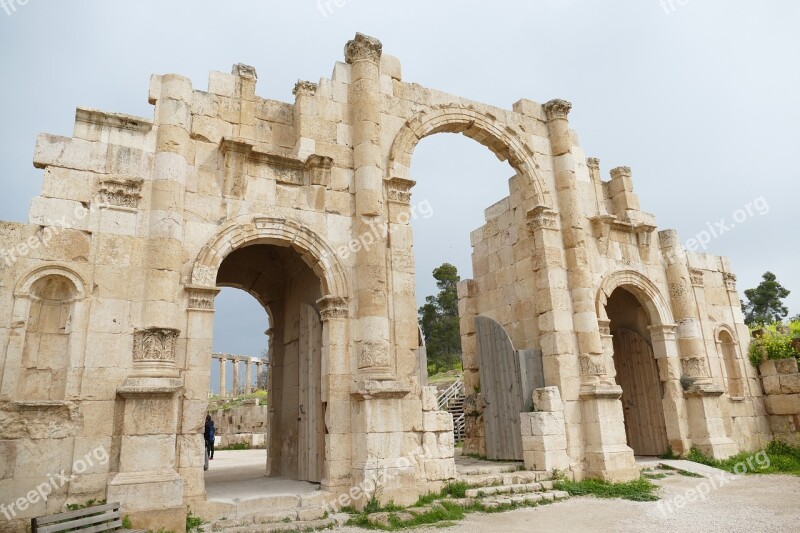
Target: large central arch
x,y
503,140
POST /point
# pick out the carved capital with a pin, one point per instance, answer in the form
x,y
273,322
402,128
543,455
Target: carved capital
x,y
621,172
244,71
541,217
730,281
318,170
363,47
305,88
696,276
331,307
122,193
201,298
557,109
154,351
593,163
399,190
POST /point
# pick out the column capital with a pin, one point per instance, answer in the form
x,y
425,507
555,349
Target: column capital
x,y
730,281
363,47
332,307
593,163
154,352
304,88
557,109
399,190
621,172
541,217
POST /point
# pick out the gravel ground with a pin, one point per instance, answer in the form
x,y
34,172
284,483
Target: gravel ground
x,y
747,503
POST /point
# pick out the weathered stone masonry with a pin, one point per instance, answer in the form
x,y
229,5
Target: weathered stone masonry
x,y
106,329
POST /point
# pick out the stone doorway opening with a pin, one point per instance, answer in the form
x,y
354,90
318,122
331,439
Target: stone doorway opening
x,y
638,374
293,463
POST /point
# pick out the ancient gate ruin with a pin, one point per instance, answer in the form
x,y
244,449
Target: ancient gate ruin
x,y
108,295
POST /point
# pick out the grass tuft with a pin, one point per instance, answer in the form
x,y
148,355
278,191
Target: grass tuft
x,y
640,490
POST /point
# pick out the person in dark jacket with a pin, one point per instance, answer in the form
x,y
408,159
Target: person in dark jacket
x,y
209,435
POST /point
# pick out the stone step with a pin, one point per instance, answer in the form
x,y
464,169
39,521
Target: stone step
x,y
259,521
508,478
534,497
308,525
519,488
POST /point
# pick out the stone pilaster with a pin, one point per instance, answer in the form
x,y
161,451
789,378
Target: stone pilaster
x,y
606,453
706,427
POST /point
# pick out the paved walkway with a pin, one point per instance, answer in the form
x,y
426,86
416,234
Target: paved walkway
x,y
240,474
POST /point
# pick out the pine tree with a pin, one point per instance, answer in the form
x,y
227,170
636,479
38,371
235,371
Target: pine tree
x,y
765,303
438,319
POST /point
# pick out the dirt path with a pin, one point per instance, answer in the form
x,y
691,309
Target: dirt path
x,y
746,504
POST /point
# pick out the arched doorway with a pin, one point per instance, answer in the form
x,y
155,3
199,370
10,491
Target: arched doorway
x,y
285,286
637,374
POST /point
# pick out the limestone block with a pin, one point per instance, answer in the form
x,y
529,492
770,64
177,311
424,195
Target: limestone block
x,y
222,84
767,368
390,66
783,404
789,383
772,384
429,399
786,366
548,399
143,453
77,154
525,424
437,421
440,469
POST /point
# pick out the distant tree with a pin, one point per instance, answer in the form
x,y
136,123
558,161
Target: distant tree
x,y
438,319
765,303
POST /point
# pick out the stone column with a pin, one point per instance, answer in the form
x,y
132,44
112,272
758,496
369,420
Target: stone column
x,y
223,362
235,385
378,440
148,485
248,377
336,377
606,452
706,427
372,333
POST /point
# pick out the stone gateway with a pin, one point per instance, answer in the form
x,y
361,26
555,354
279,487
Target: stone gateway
x,y
107,299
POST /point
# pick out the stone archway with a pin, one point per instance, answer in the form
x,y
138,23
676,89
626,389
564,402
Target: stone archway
x,y
248,232
658,339
502,139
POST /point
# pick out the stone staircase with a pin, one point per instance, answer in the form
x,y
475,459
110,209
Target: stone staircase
x,y
280,512
497,484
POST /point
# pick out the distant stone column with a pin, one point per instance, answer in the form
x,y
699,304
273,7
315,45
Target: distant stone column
x,y
235,387
248,377
222,363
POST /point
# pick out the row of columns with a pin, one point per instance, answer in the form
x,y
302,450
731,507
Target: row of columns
x,y
236,359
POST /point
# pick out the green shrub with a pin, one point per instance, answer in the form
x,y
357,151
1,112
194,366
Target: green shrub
x,y
772,345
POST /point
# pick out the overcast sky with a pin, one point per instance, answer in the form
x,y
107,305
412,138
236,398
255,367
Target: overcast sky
x,y
700,100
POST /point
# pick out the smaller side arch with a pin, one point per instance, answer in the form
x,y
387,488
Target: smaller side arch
x,y
245,230
24,287
725,328
642,288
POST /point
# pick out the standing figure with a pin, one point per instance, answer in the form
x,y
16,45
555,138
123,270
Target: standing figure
x,y
209,435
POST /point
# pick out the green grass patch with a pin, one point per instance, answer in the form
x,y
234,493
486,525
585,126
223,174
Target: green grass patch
x,y
650,475
640,490
777,458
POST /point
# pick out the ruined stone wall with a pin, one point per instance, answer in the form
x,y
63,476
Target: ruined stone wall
x,y
246,423
781,381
